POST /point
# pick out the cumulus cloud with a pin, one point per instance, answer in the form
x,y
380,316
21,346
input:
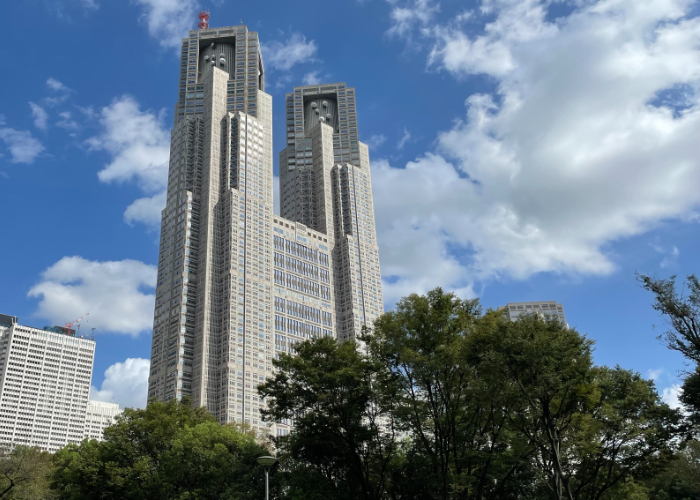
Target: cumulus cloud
x,y
577,146
168,21
125,383
23,147
295,50
146,210
116,294
138,142
407,16
40,115
670,395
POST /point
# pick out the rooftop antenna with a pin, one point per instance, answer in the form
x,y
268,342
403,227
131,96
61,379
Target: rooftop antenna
x,y
203,20
93,333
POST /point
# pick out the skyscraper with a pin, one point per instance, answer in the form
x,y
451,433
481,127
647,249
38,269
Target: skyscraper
x,y
325,184
236,283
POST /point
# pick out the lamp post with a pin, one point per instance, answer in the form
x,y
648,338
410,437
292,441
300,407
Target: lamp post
x,y
267,462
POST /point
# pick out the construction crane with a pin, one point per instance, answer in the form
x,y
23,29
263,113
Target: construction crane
x,y
68,326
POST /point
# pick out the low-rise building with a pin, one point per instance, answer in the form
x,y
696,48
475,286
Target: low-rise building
x,y
546,309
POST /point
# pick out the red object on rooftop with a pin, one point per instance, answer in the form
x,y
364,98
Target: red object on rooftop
x,y
69,326
203,20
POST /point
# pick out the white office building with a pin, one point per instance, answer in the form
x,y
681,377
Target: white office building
x,y
546,309
98,417
45,378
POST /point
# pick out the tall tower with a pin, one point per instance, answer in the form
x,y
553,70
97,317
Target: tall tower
x,y
325,183
212,330
237,284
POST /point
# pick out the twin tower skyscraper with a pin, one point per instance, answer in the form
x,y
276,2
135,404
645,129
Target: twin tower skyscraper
x,y
237,283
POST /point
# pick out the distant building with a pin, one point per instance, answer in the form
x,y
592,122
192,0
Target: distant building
x,y
98,417
547,310
45,378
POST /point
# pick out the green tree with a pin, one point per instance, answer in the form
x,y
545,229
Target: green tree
x,y
680,480
166,451
25,473
596,430
681,311
454,411
683,315
343,438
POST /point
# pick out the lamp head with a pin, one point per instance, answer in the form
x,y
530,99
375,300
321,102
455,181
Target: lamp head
x,y
267,461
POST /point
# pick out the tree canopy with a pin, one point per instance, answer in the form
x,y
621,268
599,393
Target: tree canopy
x,y
440,401
166,451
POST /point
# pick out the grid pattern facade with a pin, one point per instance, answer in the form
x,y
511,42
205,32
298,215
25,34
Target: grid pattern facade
x,y
98,417
212,335
547,310
44,386
325,184
238,285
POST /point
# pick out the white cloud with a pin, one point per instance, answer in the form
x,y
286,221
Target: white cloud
x,y
376,140
125,383
671,394
168,20
406,16
146,210
138,142
54,84
655,374
116,294
295,50
405,138
311,78
61,93
40,115
517,22
23,147
575,148
66,122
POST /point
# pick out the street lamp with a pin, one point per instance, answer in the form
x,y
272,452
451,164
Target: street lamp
x,y
267,462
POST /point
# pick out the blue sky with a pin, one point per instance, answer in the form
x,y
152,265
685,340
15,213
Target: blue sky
x,y
521,150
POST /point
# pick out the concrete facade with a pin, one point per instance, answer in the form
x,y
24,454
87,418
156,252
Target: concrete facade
x,y
326,184
45,381
238,284
98,416
547,309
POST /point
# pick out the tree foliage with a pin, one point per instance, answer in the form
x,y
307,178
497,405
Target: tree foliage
x,y
25,474
683,315
444,402
459,442
680,480
682,312
343,440
166,451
